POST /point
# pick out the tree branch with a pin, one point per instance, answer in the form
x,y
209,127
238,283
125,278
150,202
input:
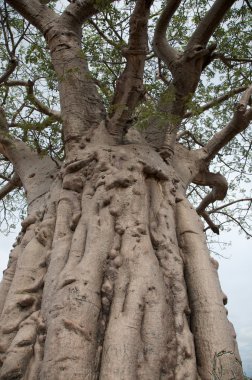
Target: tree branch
x,y
19,154
55,115
39,105
219,186
239,123
248,4
129,88
227,60
11,185
103,35
229,204
215,102
209,23
9,69
36,13
161,46
235,221
81,10
4,132
190,134
210,223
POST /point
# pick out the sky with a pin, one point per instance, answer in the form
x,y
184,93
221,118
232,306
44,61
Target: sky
x,y
236,281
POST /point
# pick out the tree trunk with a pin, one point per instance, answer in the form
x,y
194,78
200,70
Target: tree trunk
x,y
111,278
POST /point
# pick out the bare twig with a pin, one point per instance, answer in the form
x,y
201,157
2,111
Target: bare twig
x,y
227,60
235,221
188,133
229,204
39,105
103,35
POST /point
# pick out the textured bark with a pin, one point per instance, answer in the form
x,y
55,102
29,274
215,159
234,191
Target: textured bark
x,y
95,286
110,277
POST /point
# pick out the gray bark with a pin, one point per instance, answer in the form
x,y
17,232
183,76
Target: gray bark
x,y
110,280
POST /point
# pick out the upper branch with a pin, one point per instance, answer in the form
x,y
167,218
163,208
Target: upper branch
x,y
129,89
36,13
81,10
210,22
160,44
240,121
215,101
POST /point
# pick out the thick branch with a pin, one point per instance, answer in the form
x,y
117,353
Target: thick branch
x,y
11,185
219,186
160,44
81,10
210,223
36,13
129,88
239,123
210,22
215,102
35,178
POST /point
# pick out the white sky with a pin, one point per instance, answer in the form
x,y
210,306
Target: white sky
x,y
236,280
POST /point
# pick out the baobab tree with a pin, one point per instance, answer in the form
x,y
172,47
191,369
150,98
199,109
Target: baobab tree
x,y
111,277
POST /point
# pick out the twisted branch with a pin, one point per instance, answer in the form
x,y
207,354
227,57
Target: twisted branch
x,y
219,186
240,121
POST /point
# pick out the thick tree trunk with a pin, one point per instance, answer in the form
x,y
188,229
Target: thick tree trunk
x,y
111,279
